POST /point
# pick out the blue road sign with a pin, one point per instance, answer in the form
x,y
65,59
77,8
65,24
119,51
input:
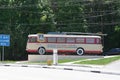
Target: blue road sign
x,y
4,40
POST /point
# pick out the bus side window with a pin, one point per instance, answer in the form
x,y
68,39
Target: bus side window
x,y
70,40
80,40
51,39
60,40
90,40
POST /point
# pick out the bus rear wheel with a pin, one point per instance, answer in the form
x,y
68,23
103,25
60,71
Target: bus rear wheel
x,y
80,51
41,50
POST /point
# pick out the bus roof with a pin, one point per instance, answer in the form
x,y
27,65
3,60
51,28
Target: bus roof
x,y
32,35
63,35
49,35
78,33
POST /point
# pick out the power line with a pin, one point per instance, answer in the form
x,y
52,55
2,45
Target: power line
x,y
104,13
62,23
64,2
85,1
68,21
84,12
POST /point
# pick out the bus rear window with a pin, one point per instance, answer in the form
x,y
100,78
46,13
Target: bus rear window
x,y
32,39
98,41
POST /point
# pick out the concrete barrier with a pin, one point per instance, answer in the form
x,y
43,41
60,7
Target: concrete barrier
x,y
33,58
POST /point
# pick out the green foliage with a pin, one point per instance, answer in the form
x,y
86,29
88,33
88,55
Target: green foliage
x,y
69,15
68,60
22,17
117,28
43,18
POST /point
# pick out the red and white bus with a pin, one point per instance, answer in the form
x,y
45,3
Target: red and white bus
x,y
80,44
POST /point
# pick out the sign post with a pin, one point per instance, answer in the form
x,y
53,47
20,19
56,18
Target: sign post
x,y
55,56
3,53
4,41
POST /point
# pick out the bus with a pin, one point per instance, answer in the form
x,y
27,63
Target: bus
x,y
79,44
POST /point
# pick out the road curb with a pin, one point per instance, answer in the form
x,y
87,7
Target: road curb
x,y
60,68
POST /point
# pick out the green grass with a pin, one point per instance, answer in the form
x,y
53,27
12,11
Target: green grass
x,y
7,61
103,61
59,61
68,60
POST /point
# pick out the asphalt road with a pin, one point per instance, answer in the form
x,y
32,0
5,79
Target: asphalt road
x,y
31,73
44,72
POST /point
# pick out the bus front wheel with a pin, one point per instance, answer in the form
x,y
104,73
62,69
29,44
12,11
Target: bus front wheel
x,y
80,51
41,50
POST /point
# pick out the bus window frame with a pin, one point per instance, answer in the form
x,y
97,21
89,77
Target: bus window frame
x,y
29,39
94,42
70,42
51,42
79,41
61,41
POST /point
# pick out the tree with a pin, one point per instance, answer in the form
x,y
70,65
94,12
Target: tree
x,y
20,18
69,16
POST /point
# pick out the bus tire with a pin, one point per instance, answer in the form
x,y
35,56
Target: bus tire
x,y
41,51
80,51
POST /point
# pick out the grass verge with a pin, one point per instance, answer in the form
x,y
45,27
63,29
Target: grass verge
x,y
7,61
68,60
51,61
102,61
